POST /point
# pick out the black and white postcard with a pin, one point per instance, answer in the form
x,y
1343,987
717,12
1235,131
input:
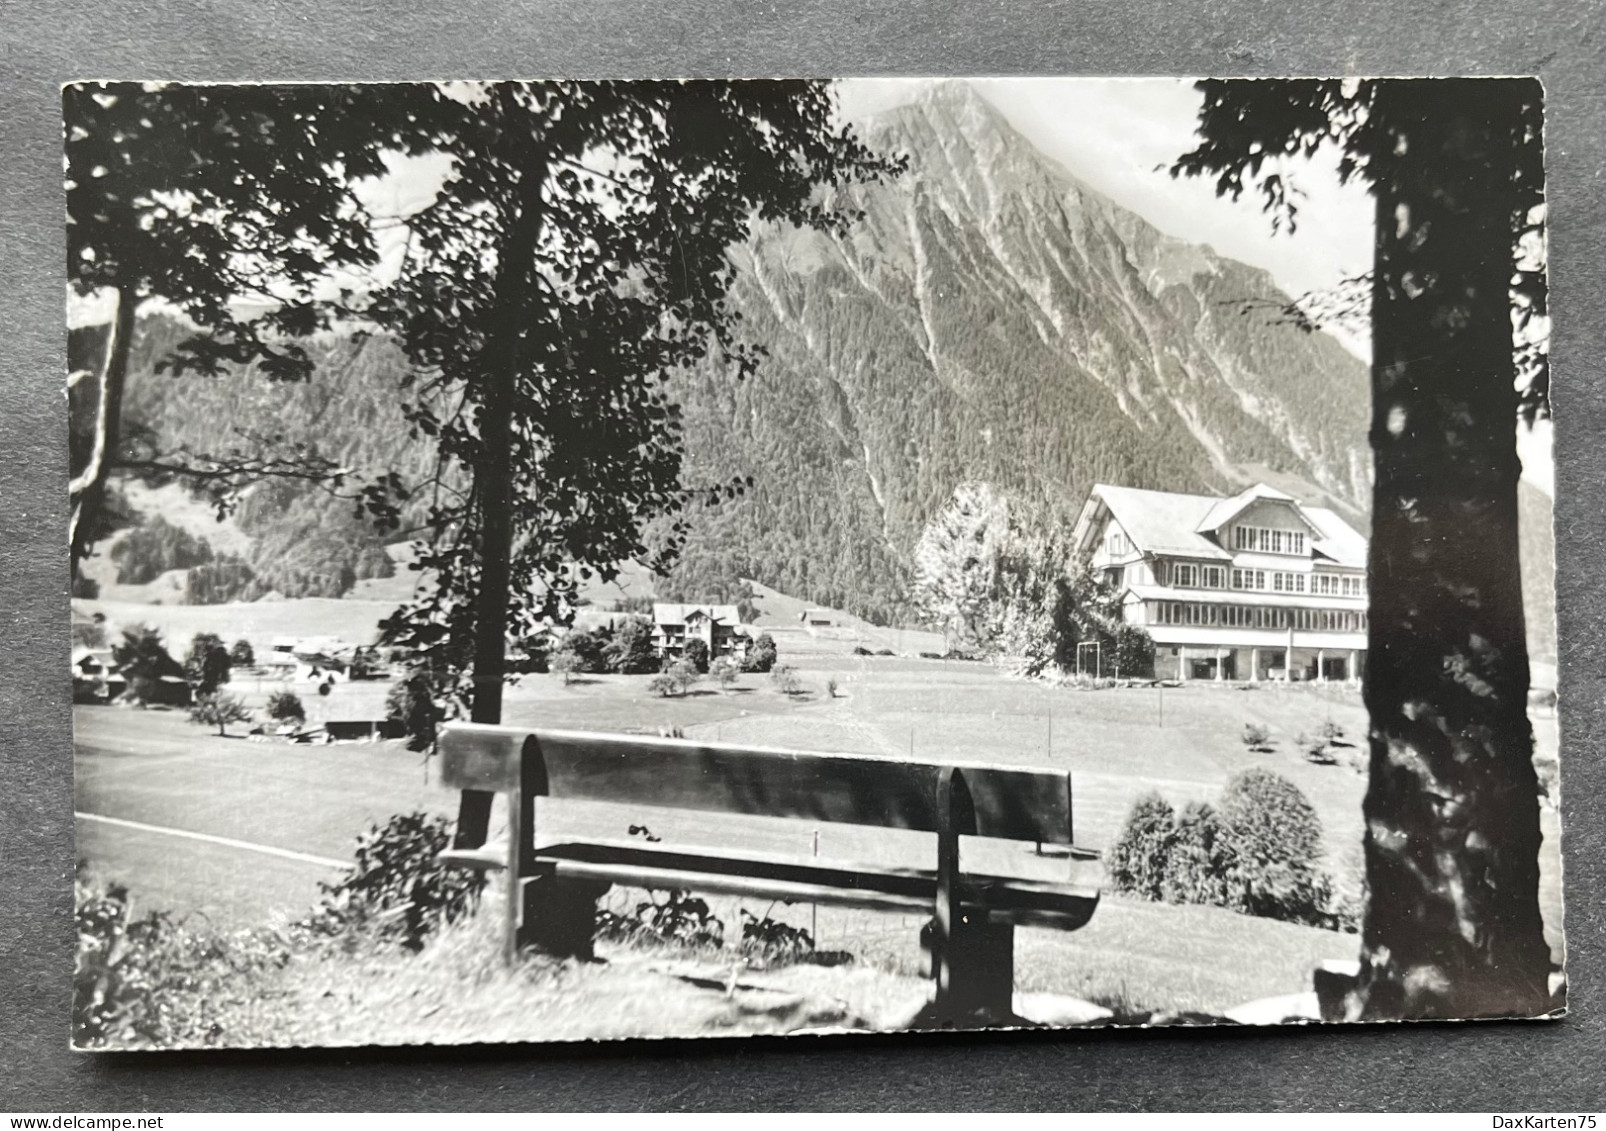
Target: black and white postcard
x,y
574,560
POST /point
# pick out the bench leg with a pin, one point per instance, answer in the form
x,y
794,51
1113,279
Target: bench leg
x,y
559,917
974,972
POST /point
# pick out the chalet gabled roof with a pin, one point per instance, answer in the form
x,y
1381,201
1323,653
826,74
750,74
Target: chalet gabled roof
x,y
1162,522
1228,509
1177,525
673,614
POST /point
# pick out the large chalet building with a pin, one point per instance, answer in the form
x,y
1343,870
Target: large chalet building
x,y
1257,586
717,626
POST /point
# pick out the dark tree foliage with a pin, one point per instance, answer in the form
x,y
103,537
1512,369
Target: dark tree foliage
x,y
224,202
630,652
413,703
762,655
697,655
144,661
241,654
587,652
1452,925
575,258
285,706
207,663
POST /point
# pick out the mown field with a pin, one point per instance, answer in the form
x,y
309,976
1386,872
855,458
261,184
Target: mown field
x,y
156,769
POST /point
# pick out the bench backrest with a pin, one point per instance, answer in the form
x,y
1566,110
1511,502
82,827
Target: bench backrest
x,y
854,789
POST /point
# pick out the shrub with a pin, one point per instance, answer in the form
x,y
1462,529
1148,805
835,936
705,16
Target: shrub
x,y
631,652
564,664
665,918
786,680
1137,861
830,688
242,655
398,888
1256,736
285,707
1276,840
697,655
761,656
773,942
219,709
1200,858
1330,730
411,703
1134,652
726,670
684,673
663,685
589,650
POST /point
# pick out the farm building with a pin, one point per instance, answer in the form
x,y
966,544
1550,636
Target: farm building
x,y
353,712
718,626
1252,587
95,678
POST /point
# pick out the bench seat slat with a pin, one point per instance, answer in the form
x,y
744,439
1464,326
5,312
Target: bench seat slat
x,y
1001,899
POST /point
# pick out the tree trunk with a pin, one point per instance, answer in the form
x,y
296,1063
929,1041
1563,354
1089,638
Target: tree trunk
x,y
1452,927
504,357
86,493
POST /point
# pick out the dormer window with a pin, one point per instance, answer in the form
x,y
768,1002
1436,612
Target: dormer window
x,y
1118,543
1268,540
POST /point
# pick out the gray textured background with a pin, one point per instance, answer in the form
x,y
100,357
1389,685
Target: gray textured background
x,y
1549,1067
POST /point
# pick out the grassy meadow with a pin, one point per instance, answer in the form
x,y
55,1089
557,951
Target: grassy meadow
x,y
165,806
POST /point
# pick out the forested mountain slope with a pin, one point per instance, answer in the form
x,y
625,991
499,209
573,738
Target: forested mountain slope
x,y
989,318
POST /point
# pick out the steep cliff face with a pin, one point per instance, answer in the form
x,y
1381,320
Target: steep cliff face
x,y
992,318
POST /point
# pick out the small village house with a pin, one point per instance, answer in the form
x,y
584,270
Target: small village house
x,y
718,626
1256,586
95,678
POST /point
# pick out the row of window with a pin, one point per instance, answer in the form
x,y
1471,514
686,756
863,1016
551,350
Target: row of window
x,y
1186,575
1267,541
1337,585
1254,616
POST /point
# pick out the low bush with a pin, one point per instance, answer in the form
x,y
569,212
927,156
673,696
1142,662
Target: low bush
x,y
1138,861
1257,851
761,656
773,942
398,888
285,707
1276,839
219,709
1255,736
785,679
155,980
1200,860
673,918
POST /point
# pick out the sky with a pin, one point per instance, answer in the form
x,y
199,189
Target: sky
x,y
1118,135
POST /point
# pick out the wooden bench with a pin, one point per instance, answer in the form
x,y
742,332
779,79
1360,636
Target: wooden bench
x,y
554,885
